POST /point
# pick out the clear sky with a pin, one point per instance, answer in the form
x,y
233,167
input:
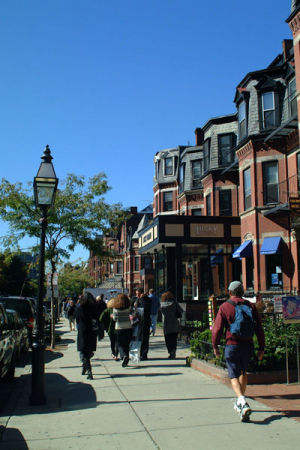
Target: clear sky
x,y
108,83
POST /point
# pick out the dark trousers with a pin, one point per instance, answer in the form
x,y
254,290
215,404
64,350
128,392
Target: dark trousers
x,y
145,338
114,344
123,339
171,342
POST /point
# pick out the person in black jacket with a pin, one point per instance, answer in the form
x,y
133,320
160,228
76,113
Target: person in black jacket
x,y
144,302
87,320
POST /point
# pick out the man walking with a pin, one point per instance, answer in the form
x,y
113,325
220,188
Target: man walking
x,y
155,304
240,320
143,301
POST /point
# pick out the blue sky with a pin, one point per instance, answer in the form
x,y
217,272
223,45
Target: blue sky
x,y
107,84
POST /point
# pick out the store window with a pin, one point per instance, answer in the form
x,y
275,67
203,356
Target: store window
x,y
274,271
247,188
197,212
225,204
270,178
168,200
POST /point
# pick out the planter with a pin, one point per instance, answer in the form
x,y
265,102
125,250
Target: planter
x,y
271,377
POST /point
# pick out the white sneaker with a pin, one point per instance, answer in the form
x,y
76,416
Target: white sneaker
x,y
245,413
237,407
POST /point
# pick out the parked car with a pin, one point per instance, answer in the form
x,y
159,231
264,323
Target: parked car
x,y
24,307
20,331
7,348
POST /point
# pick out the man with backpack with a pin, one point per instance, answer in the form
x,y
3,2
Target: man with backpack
x,y
241,320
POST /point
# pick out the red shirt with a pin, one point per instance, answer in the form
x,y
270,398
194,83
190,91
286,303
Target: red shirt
x,y
225,317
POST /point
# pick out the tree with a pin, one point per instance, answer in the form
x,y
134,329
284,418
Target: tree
x,y
80,216
15,276
73,279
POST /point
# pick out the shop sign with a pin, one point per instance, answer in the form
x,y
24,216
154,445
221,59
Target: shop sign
x,y
277,304
146,238
295,205
291,309
207,230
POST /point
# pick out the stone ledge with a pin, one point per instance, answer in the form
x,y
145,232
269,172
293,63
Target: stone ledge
x,y
276,376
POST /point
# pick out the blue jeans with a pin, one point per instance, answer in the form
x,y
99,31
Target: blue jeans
x,y
153,322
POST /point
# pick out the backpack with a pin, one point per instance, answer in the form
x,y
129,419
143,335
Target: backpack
x,y
243,325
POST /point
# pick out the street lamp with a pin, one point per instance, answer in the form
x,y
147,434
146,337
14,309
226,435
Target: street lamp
x,y
45,186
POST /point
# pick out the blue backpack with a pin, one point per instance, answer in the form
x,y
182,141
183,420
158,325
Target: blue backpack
x,y
243,325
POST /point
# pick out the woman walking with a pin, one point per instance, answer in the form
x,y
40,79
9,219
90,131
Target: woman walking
x,y
171,311
86,317
121,310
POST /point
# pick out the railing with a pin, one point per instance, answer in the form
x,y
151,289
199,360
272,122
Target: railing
x,y
282,192
204,350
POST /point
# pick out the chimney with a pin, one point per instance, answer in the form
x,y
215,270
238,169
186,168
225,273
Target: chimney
x,y
199,136
133,209
287,44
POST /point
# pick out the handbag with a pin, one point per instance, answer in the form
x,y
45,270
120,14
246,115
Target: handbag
x,y
134,351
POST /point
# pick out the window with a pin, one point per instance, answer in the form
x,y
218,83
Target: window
x,y
181,177
292,97
196,173
136,263
111,267
226,144
274,272
225,203
208,205
270,177
206,155
197,212
268,109
247,189
298,171
169,166
119,266
168,201
242,120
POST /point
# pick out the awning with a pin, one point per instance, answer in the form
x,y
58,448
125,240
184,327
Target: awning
x,y
244,250
271,246
217,258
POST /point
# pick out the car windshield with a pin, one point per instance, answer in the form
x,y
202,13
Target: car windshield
x,y
22,306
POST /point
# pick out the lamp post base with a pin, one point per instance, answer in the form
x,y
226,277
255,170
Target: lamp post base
x,y
38,396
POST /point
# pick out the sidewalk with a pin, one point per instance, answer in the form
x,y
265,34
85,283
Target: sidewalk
x,y
160,404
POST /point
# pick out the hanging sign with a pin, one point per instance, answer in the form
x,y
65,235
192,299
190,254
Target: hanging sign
x,y
291,309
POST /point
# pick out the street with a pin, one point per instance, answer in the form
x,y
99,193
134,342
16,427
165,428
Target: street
x,y
160,404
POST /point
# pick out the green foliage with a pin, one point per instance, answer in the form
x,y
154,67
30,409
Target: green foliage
x,y
80,215
276,332
72,280
14,276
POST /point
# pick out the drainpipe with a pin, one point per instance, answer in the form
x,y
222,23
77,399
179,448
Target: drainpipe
x,y
257,220
289,215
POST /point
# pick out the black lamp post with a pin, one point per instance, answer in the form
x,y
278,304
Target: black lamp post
x,y
45,186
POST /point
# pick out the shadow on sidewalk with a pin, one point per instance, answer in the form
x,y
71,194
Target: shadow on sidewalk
x,y
12,438
280,415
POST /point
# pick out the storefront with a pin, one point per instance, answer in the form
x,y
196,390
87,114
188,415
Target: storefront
x,y
193,254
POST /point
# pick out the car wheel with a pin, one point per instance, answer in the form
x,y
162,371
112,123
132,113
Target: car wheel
x,y
9,376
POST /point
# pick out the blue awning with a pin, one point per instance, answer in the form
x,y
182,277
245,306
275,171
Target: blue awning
x,y
271,246
244,250
217,258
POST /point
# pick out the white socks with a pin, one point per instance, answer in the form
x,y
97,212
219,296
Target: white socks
x,y
241,400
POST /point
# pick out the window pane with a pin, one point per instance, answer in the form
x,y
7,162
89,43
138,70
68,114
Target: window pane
x,y
225,203
242,111
270,175
293,97
208,205
247,189
169,166
268,100
226,146
196,172
168,201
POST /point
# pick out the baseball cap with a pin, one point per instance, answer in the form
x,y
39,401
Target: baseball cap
x,y
235,285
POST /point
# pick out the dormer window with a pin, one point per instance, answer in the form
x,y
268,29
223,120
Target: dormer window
x,y
169,166
268,109
206,155
242,120
181,177
226,144
196,173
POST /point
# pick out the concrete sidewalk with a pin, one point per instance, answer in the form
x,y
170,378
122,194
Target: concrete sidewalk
x,y
160,404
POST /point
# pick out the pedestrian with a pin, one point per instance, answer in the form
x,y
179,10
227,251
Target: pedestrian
x,y
171,312
239,343
144,303
109,326
155,305
100,307
121,311
71,315
86,317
